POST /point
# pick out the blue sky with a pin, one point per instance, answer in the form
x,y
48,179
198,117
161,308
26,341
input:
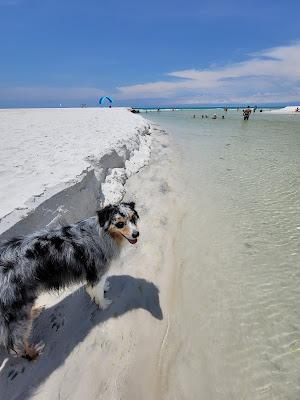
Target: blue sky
x,y
149,53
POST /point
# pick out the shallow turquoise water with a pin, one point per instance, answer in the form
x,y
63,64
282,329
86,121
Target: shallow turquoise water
x,y
236,322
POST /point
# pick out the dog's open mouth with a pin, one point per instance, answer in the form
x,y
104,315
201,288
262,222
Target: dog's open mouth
x,y
132,241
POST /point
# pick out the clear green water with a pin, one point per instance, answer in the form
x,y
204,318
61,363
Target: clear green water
x,y
235,327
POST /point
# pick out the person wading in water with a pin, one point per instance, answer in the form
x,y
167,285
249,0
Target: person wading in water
x,y
246,113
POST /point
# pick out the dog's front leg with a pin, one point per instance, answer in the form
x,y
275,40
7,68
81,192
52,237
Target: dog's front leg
x,y
96,292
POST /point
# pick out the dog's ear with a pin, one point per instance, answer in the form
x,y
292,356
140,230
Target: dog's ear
x,y
132,205
104,216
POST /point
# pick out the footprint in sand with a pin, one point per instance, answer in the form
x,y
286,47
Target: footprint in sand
x,y
14,372
57,321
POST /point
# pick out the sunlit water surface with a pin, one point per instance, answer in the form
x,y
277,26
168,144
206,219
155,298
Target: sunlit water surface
x,y
235,329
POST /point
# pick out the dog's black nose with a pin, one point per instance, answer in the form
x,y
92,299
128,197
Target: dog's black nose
x,y
135,234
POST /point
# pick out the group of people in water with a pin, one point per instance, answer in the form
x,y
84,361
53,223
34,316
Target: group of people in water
x,y
245,113
206,116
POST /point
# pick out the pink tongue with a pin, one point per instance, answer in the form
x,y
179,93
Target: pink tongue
x,y
132,241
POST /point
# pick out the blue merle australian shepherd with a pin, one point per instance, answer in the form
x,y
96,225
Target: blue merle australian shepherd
x,y
53,259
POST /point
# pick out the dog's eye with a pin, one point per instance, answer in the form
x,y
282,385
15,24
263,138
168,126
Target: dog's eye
x,y
120,225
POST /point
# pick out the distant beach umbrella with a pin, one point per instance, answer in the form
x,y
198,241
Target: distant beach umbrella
x,y
103,98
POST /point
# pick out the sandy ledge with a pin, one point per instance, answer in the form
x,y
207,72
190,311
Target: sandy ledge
x,y
57,165
117,353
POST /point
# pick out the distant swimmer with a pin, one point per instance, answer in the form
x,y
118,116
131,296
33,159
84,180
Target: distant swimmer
x,y
246,113
297,109
202,116
206,116
214,116
223,117
194,116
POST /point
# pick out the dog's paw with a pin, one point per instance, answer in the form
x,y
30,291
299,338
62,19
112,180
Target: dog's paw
x,y
106,286
102,303
105,303
39,347
57,321
33,352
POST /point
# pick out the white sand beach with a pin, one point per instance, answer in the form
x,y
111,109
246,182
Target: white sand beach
x,y
287,110
56,164
89,353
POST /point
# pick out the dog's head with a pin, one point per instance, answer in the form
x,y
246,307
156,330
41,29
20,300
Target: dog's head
x,y
120,221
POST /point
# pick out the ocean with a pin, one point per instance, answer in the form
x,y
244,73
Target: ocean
x,y
235,324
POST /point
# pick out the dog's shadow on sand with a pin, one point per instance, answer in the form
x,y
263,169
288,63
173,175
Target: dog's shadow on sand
x,y
63,326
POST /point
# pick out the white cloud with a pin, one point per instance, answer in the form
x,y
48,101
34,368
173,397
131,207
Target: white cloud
x,y
271,75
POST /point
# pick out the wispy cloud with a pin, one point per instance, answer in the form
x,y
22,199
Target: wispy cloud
x,y
270,75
